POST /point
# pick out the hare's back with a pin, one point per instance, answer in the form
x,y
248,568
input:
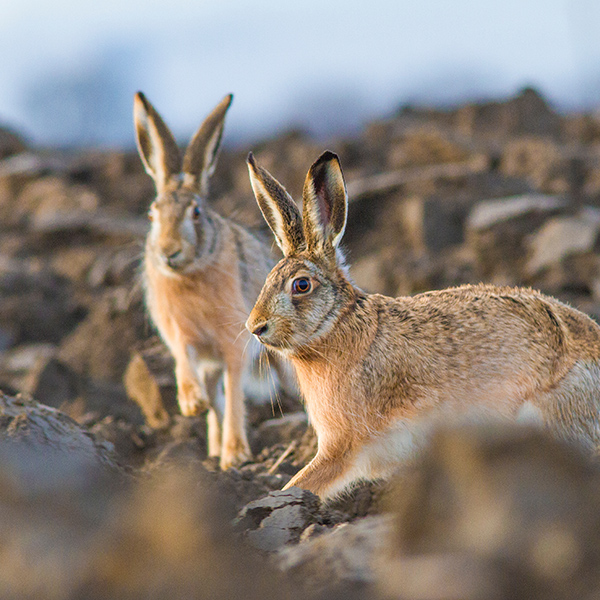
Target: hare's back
x,y
486,315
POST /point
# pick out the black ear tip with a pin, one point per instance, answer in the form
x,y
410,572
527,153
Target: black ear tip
x,y
140,97
251,160
327,156
228,100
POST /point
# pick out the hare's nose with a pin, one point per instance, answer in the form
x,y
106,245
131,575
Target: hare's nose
x,y
260,329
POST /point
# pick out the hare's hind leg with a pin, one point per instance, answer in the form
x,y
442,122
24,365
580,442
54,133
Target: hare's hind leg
x,y
571,410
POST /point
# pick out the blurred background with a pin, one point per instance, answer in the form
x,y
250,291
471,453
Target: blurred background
x,y
70,68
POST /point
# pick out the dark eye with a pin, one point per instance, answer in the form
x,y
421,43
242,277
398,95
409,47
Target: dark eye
x,y
302,285
196,211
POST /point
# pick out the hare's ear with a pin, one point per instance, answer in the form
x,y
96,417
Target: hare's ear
x,y
200,158
155,142
279,210
325,204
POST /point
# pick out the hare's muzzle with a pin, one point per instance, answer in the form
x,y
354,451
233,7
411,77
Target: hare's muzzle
x,y
176,256
172,258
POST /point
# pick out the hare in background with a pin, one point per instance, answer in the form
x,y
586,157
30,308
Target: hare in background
x,y
375,370
202,275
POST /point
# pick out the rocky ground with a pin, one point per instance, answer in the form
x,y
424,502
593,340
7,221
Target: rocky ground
x,y
107,492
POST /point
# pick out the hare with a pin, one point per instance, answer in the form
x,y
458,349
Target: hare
x,y
374,370
202,275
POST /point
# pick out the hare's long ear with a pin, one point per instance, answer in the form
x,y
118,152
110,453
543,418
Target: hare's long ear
x,y
325,204
155,142
200,158
279,210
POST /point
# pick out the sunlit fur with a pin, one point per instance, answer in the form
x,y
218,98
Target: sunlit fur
x,y
376,372
202,274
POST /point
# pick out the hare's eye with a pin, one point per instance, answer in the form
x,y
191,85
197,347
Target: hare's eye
x,y
150,215
302,285
196,212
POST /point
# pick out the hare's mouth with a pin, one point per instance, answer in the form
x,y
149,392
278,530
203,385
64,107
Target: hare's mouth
x,y
177,261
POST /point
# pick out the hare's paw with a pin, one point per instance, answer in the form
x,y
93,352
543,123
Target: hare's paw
x,y
190,401
235,453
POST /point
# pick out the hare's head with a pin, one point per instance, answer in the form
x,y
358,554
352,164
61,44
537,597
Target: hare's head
x,y
177,239
307,290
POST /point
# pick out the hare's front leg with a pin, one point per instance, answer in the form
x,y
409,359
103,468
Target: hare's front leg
x,y
324,475
190,397
210,377
235,448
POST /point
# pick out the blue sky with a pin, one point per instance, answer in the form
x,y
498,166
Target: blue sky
x,y
70,67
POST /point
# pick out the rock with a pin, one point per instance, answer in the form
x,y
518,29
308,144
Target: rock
x,y
279,518
150,382
434,223
127,440
95,223
494,511
282,430
549,167
345,554
425,145
498,230
36,306
74,262
561,237
52,382
100,346
11,143
239,486
369,273
116,267
489,213
54,198
582,128
30,430
525,114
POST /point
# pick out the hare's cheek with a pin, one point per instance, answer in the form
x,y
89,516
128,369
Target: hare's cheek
x,y
187,231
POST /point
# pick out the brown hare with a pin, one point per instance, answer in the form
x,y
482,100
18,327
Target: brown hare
x,y
202,275
374,370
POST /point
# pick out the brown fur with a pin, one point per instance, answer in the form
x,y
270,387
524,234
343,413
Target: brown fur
x,y
202,274
374,369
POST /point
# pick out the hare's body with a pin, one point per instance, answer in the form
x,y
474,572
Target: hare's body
x,y
376,371
407,361
202,273
199,315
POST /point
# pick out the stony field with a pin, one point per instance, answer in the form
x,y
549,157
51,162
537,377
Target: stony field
x,y
109,493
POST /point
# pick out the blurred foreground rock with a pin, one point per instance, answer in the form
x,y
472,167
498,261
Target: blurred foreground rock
x,y
495,512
